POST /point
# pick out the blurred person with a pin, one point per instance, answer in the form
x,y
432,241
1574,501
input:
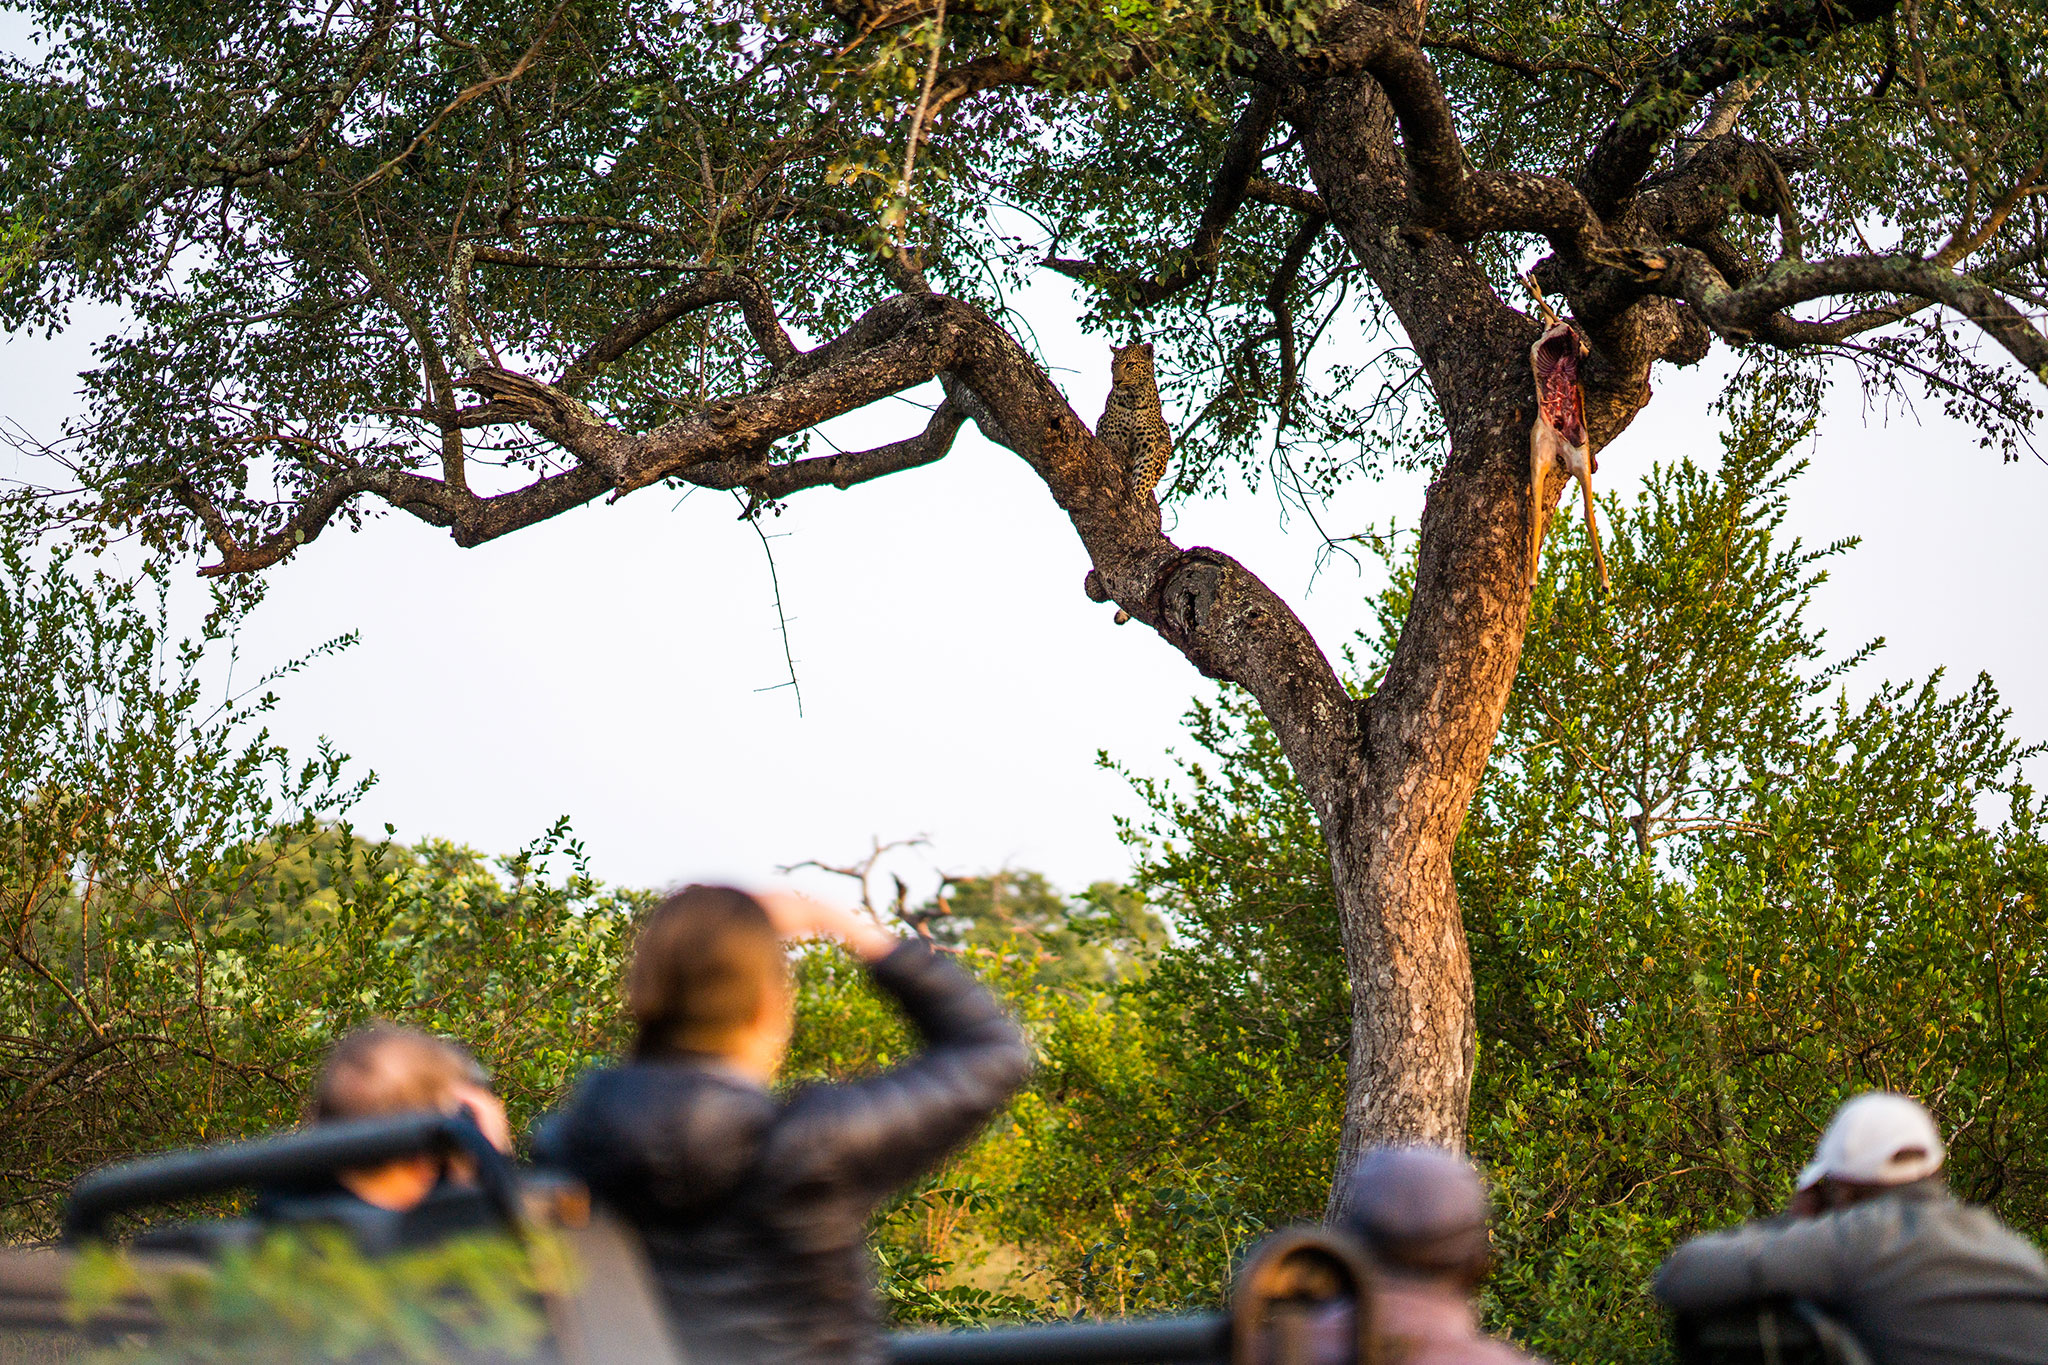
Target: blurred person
x,y
377,1070
754,1207
1423,1217
1873,1237
383,1069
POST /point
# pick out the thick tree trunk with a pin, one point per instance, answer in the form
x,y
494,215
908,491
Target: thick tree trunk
x,y
1429,727
1428,732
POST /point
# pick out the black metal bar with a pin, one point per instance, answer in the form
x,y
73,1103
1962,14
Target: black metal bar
x,y
1196,1340
297,1158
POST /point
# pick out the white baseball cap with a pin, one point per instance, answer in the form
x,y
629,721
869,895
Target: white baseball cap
x,y
1877,1138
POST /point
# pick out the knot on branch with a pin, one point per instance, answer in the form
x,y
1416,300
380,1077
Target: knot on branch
x,y
1092,585
1728,173
559,416
1188,596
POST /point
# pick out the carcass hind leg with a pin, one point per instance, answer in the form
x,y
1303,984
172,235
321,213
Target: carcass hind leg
x,y
1593,528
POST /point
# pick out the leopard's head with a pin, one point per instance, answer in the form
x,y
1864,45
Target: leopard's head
x,y
1130,364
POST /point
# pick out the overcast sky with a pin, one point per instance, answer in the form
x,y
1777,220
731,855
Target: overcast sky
x,y
609,664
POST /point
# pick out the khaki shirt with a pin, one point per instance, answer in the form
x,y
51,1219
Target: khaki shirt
x,y
1419,1323
1920,1277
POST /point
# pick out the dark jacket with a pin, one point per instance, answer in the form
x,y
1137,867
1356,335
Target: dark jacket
x,y
754,1209
1920,1277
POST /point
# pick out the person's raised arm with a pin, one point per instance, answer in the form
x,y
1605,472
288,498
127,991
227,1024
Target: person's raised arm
x,y
1802,1259
882,1131
796,915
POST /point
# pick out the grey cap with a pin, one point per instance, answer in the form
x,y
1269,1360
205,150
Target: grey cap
x,y
1422,1208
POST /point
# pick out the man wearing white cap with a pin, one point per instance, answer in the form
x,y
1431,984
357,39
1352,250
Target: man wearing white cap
x,y
1877,1240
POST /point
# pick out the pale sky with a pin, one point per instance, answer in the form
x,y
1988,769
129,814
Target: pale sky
x,y
956,683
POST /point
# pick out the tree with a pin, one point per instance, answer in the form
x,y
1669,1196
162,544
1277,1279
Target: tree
x,y
1701,913
330,224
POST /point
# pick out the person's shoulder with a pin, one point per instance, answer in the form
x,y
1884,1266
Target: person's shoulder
x,y
1976,1225
675,1121
637,1079
665,1093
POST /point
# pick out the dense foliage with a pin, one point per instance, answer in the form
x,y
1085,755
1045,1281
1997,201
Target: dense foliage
x,y
317,175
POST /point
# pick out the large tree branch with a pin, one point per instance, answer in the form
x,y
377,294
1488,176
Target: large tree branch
x,y
1689,206
431,500
1721,119
1448,196
1216,612
1520,201
1307,203
1756,310
1724,175
1663,102
1384,44
895,346
841,471
1227,622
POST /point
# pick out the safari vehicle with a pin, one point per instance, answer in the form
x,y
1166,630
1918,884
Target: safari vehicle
x,y
1299,1299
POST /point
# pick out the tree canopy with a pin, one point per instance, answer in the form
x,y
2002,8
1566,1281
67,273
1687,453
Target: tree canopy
x,y
322,217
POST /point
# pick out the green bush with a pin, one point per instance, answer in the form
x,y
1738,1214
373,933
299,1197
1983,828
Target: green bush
x,y
187,921
314,1297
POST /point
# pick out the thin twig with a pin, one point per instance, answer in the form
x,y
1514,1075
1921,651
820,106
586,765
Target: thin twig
x,y
480,88
924,101
753,518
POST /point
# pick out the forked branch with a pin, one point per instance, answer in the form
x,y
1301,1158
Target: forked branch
x,y
1756,310
1227,622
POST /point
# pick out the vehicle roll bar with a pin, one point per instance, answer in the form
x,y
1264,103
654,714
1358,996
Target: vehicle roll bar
x,y
1199,1337
299,1158
1303,1297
